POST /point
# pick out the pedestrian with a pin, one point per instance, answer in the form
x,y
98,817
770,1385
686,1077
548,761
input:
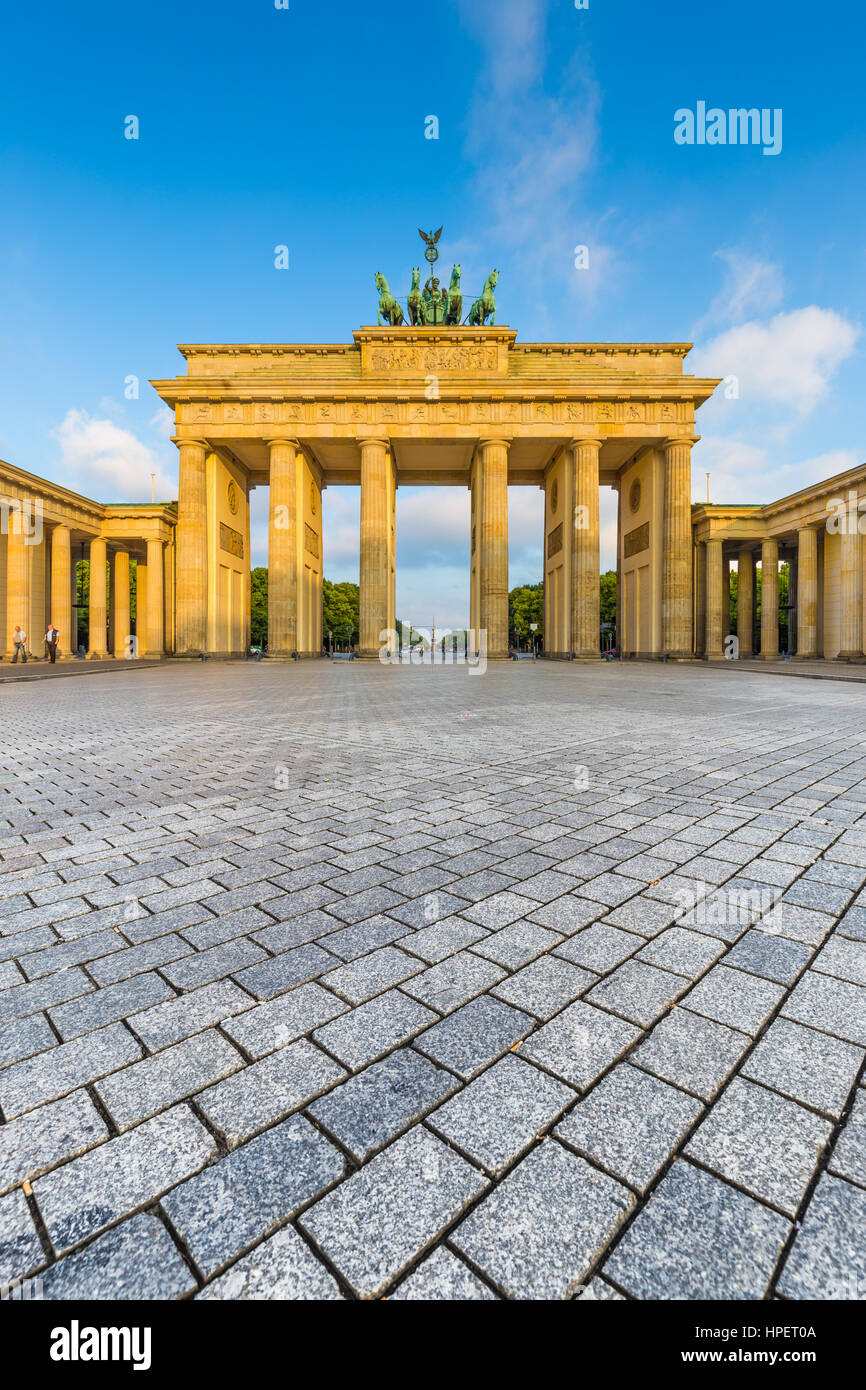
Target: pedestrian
x,y
19,642
51,638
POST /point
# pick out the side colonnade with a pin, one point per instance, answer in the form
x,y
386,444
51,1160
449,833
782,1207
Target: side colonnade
x,y
45,531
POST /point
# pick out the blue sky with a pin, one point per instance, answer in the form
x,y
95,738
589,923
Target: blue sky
x,y
305,126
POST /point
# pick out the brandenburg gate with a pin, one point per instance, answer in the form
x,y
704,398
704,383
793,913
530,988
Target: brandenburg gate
x,y
415,403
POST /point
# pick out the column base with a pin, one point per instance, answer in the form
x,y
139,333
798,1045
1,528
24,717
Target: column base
x,y
768,656
679,656
807,656
586,656
99,656
852,658
715,656
280,656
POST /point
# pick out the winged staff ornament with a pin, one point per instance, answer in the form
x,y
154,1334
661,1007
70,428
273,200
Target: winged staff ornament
x,y
434,306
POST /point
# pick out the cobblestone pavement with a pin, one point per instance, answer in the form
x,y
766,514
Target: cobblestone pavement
x,y
333,981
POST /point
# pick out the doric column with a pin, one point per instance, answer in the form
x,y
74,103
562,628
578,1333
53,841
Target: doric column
x,y
745,603
140,608
715,602
770,600
98,601
677,549
493,540
700,598
120,635
283,550
585,565
17,585
191,596
60,613
154,620
375,546
850,589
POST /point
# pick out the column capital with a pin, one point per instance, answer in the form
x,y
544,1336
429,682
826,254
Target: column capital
x,y
674,439
379,443
180,440
579,441
289,443
496,439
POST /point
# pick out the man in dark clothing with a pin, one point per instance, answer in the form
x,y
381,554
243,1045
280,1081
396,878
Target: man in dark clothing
x,y
51,637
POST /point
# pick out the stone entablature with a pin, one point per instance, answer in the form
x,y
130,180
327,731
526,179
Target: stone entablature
x,y
437,384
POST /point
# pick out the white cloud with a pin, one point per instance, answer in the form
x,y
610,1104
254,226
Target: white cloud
x,y
532,150
109,463
742,472
789,360
751,286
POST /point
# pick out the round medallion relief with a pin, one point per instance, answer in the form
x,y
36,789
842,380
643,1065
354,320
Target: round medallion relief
x,y
634,495
232,497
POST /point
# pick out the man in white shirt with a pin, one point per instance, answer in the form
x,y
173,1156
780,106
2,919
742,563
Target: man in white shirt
x,y
51,637
19,642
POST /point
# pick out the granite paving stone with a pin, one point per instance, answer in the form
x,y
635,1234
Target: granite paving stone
x,y
735,998
630,1124
223,1210
377,1104
283,972
282,1020
369,1031
20,1247
680,949
848,1159
474,1035
683,952
369,975
283,1267
763,1142
441,1277
34,995
445,938
64,1067
42,1138
698,1238
145,1087
773,957
22,1037
136,1260
828,1257
580,1043
691,1052
109,1004
810,1067
453,981
498,1115
190,1013
381,1218
109,1182
844,959
268,1090
600,947
537,1235
830,1005
638,992
545,986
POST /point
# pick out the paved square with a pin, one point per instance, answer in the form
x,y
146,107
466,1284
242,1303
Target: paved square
x,y
328,981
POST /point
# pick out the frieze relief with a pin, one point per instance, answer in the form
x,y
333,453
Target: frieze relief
x,y
445,357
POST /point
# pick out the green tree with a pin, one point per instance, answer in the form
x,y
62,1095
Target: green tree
x,y
607,596
259,606
341,612
525,606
